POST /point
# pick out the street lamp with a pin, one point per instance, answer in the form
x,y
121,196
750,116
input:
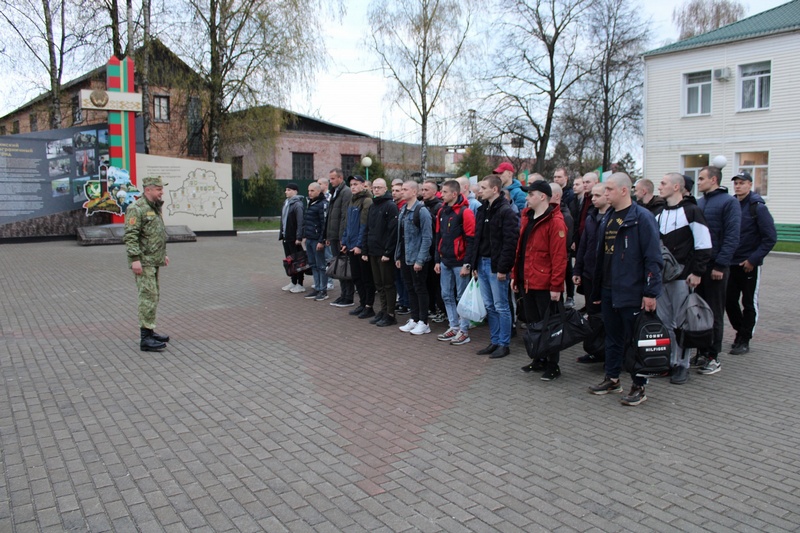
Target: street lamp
x,y
366,162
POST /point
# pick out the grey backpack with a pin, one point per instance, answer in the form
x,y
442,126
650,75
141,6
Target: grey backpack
x,y
672,269
695,323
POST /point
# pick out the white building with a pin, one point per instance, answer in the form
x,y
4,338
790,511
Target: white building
x,y
734,91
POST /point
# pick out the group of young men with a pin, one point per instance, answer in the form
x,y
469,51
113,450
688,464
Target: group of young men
x,y
416,247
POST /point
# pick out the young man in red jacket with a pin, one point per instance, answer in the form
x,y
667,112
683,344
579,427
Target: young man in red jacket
x,y
541,264
454,237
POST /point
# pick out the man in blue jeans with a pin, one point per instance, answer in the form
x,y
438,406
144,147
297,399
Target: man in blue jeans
x,y
496,234
628,279
455,232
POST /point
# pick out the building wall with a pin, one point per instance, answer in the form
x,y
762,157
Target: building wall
x,y
669,135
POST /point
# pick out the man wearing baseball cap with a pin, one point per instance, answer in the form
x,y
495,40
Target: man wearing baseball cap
x,y
505,171
757,236
146,246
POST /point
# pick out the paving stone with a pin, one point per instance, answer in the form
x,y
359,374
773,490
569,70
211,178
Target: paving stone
x,y
251,422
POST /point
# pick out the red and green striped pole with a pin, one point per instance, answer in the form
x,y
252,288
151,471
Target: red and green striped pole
x,y
121,124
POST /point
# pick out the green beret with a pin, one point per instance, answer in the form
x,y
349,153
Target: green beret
x,y
153,181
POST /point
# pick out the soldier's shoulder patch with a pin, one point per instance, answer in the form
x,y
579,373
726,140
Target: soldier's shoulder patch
x,y
132,220
151,213
561,234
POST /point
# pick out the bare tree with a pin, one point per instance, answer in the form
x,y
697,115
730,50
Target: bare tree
x,y
700,16
249,52
419,44
615,84
47,34
539,61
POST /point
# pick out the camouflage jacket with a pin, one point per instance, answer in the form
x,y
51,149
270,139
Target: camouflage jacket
x,y
145,235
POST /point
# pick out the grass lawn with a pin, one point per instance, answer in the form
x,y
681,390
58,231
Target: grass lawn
x,y
786,246
246,224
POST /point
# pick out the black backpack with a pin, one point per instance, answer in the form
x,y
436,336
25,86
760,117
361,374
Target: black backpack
x,y
648,353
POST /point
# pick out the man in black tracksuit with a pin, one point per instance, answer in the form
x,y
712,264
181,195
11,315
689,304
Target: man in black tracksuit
x,y
380,240
757,236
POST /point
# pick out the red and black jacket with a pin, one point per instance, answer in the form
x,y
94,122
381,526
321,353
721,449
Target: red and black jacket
x,y
455,233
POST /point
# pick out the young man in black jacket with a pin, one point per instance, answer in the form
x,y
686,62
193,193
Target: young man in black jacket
x,y
380,240
496,235
313,227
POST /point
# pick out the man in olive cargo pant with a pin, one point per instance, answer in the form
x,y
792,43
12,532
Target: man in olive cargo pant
x,y
146,245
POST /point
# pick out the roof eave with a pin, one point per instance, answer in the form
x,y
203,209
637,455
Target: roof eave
x,y
718,42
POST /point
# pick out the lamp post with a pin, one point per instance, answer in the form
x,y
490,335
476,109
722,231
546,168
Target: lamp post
x,y
366,162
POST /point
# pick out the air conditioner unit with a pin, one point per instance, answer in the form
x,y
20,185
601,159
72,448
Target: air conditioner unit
x,y
722,74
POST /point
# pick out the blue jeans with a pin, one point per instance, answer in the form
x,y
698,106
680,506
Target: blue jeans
x,y
316,260
453,285
495,298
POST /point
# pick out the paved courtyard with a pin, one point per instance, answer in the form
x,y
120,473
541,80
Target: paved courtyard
x,y
269,412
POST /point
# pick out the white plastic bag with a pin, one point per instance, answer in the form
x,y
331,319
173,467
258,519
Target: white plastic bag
x,y
471,304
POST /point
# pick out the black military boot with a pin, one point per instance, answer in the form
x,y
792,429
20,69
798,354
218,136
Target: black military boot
x,y
159,337
150,344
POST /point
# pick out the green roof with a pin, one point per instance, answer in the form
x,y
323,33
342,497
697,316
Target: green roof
x,y
779,19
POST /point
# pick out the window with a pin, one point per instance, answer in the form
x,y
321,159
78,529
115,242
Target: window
x,y
194,121
349,162
757,165
698,93
15,127
755,86
161,108
237,165
34,119
691,165
77,112
302,166
3,130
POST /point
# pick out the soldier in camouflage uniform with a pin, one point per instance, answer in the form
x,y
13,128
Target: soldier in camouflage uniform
x,y
146,244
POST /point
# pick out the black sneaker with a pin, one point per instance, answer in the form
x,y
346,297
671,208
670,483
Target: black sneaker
x,y
377,318
311,295
357,310
367,312
698,361
590,358
551,374
537,365
387,320
321,296
680,375
346,303
402,310
634,397
500,352
608,385
337,302
740,349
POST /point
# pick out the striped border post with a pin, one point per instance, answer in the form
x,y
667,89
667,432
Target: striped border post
x,y
121,124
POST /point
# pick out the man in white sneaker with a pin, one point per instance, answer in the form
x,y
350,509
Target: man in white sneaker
x,y
455,232
291,232
413,257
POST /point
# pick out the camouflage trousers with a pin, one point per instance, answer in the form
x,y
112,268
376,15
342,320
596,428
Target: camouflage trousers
x,y
147,286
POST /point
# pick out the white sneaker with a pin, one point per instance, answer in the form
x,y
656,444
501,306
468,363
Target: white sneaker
x,y
408,325
297,288
330,285
288,287
421,328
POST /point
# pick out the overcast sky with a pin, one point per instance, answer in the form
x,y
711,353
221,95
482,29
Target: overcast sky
x,y
352,95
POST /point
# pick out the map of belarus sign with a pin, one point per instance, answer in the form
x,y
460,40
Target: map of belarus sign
x,y
200,195
197,194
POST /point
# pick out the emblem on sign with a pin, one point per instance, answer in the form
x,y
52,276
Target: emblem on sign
x,y
99,98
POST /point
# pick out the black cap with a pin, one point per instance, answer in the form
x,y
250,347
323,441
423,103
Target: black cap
x,y
292,185
357,178
743,176
539,185
688,183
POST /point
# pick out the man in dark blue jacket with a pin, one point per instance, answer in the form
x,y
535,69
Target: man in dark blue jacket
x,y
757,236
380,239
313,228
723,218
627,279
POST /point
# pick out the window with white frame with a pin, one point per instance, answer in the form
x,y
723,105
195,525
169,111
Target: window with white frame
x,y
691,165
757,165
698,93
161,108
755,85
